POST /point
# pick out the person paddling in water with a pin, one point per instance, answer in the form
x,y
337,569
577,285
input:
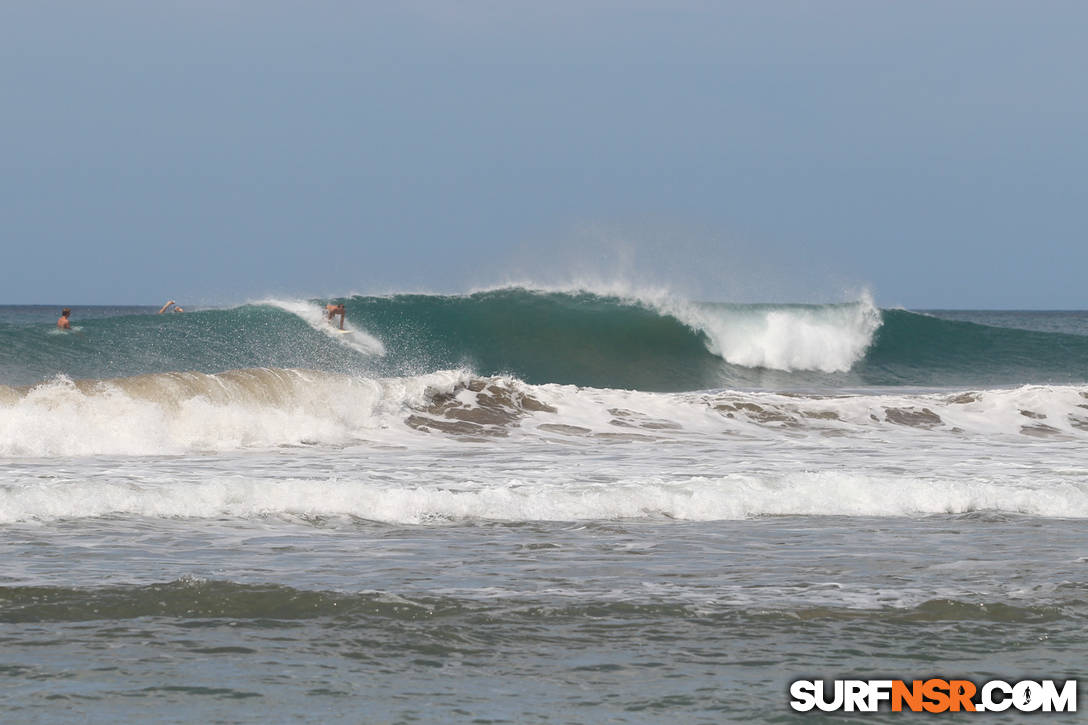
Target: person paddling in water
x,y
331,311
167,307
63,322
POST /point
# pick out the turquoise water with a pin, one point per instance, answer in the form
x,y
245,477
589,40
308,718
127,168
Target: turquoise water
x,y
517,506
576,338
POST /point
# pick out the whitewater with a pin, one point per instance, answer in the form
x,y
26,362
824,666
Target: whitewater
x,y
595,504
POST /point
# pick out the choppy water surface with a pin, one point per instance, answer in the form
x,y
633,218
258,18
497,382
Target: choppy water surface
x,y
539,581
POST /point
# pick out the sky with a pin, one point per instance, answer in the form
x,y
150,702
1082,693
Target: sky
x,y
933,153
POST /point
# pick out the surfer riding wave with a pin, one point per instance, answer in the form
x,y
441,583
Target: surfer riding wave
x,y
331,311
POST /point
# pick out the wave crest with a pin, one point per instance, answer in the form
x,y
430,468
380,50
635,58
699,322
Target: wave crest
x,y
826,338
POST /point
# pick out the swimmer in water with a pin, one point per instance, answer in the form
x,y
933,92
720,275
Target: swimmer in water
x,y
63,322
332,311
167,306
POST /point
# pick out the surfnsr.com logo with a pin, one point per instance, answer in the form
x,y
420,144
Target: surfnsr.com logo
x,y
933,695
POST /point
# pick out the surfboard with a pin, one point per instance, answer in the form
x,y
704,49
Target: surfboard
x,y
343,332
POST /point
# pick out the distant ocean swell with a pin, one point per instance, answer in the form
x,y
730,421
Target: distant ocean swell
x,y
641,342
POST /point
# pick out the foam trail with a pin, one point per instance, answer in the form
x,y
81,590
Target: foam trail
x,y
314,316
730,497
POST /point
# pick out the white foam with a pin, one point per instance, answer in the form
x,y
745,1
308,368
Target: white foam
x,y
696,456
1010,414
829,338
173,413
728,497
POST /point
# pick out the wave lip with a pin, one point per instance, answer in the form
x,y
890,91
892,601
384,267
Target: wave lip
x,y
825,338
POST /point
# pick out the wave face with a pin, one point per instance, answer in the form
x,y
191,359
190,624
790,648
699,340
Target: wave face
x,y
639,341
916,349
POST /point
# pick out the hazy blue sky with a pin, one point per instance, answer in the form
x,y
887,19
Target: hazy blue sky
x,y
214,151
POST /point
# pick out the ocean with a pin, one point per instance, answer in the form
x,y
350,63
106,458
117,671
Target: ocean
x,y
533,505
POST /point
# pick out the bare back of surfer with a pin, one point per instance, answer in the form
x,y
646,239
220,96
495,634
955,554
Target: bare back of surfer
x,y
63,322
331,311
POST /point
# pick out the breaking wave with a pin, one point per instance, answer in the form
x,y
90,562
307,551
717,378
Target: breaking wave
x,y
180,412
645,340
